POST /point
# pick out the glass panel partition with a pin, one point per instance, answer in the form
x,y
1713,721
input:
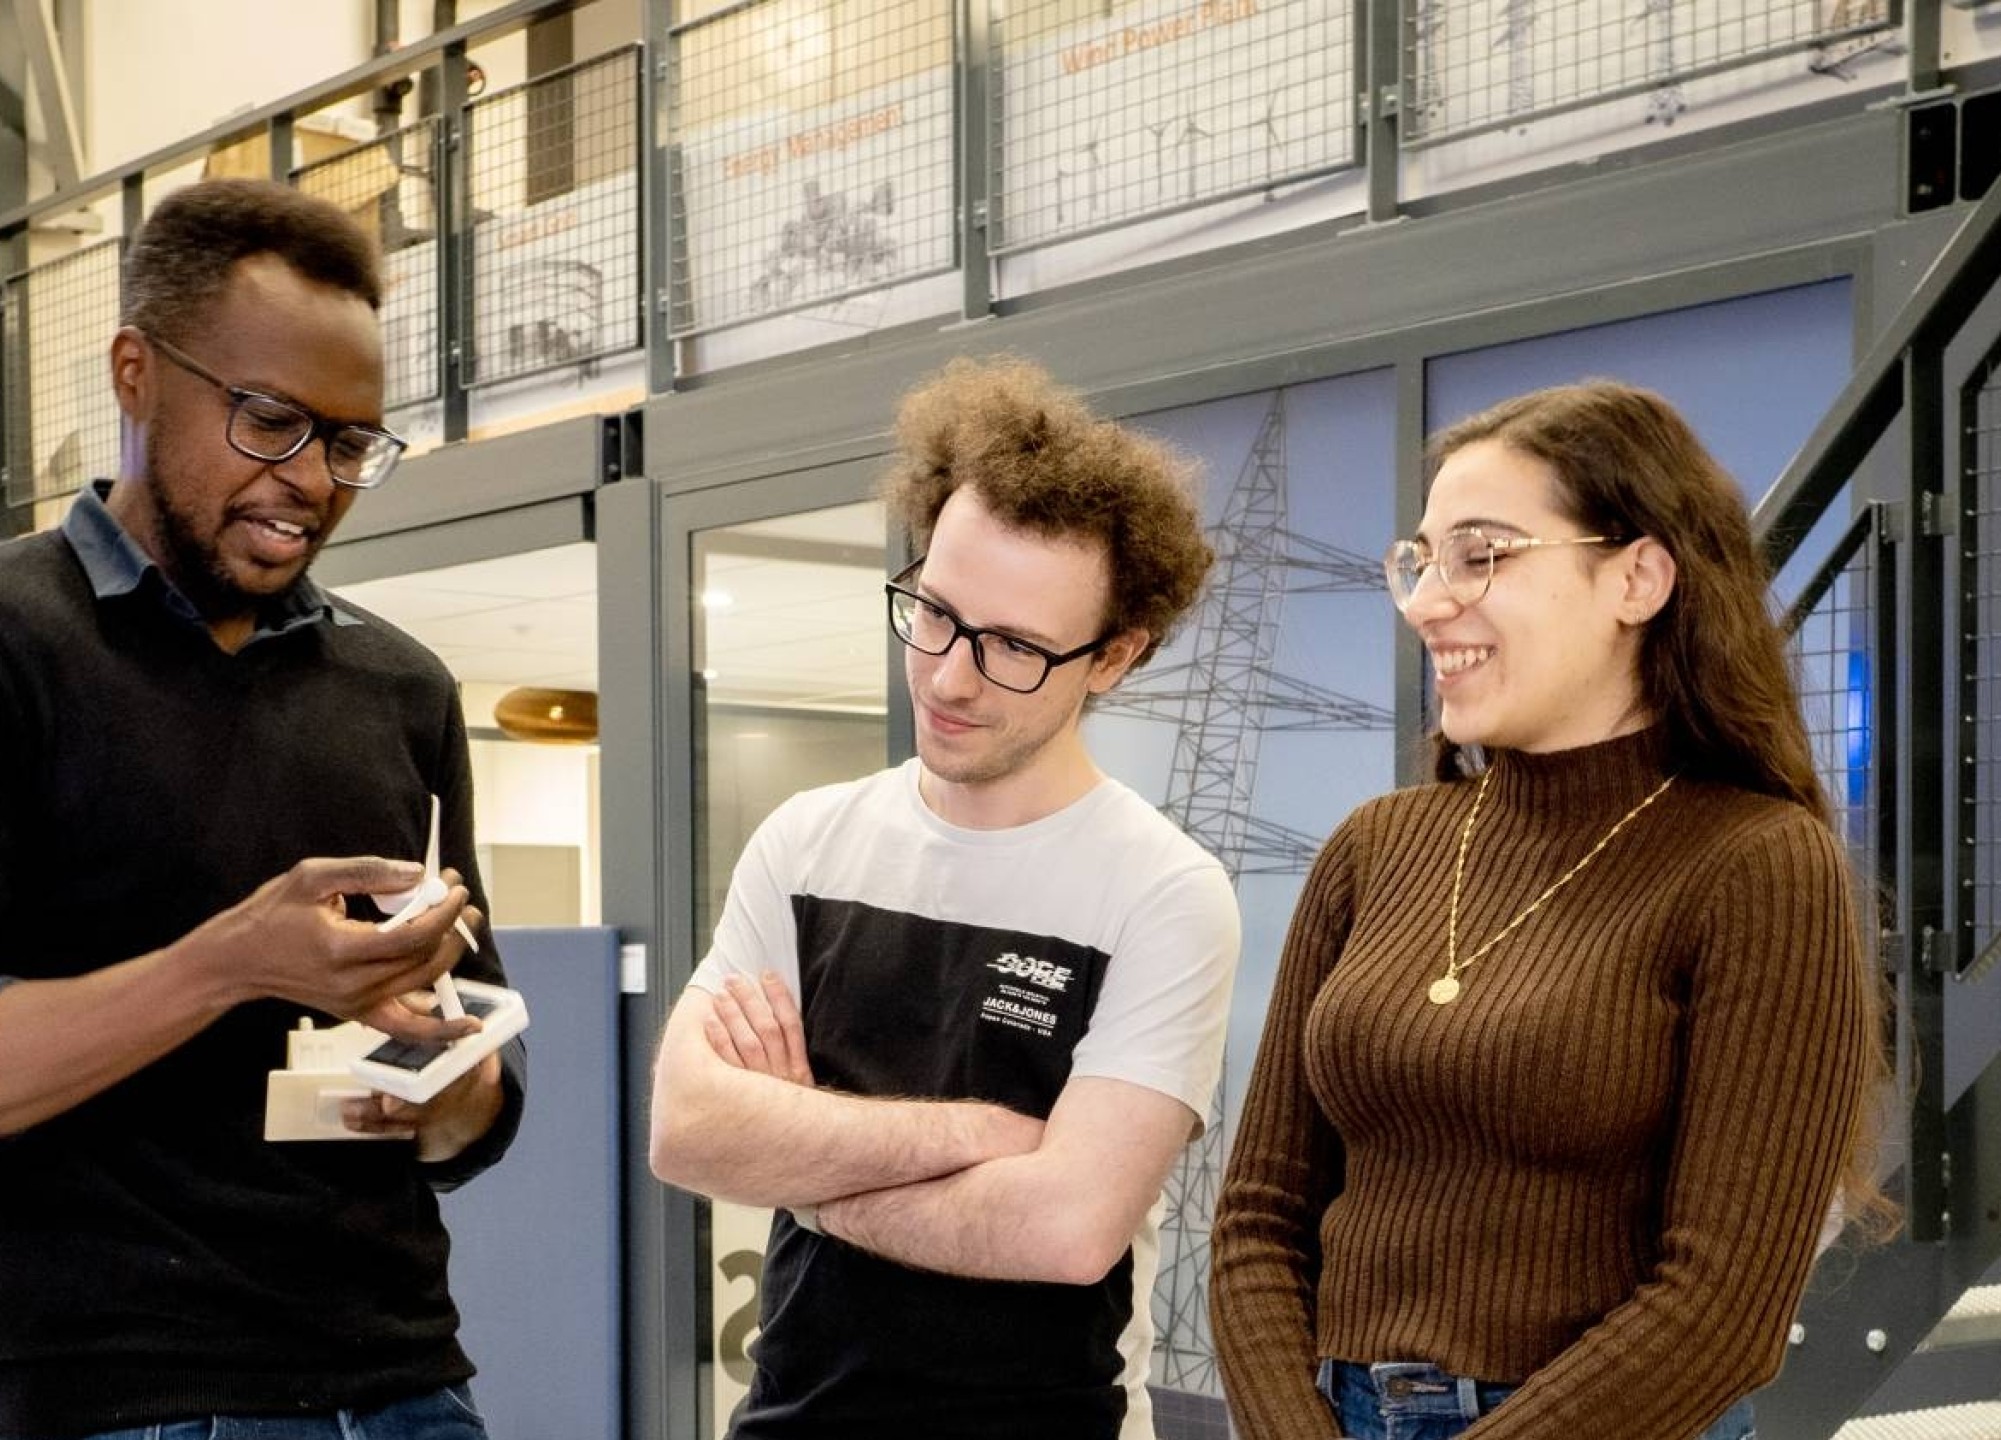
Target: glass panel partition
x,y
790,692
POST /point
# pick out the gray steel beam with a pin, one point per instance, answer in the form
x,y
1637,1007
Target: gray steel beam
x,y
13,121
975,79
352,559
660,1317
656,236
45,63
1920,763
1407,680
1380,41
14,519
570,457
453,191
1924,35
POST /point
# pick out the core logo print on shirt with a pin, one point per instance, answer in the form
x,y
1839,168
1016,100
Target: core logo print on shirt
x,y
1025,1007
1042,973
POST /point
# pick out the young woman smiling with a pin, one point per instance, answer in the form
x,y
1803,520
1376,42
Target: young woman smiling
x,y
1570,1053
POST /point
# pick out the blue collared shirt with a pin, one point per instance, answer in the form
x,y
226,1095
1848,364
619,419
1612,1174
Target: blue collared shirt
x,y
115,565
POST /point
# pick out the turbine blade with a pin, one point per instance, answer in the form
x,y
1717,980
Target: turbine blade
x,y
431,846
447,992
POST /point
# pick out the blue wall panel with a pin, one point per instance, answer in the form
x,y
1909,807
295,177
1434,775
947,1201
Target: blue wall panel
x,y
535,1240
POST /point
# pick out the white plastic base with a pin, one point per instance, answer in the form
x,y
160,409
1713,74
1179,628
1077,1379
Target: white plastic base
x,y
302,1101
418,1072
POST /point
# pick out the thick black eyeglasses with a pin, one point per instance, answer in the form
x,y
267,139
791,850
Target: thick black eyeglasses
x,y
263,427
1008,660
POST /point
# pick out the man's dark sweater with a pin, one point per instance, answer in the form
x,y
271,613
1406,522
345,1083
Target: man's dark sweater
x,y
158,1258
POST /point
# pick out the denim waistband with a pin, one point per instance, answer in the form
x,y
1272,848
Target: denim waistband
x,y
1413,1388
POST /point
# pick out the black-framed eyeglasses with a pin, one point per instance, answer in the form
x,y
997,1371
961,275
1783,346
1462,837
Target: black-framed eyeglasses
x,y
1008,660
263,427
1464,560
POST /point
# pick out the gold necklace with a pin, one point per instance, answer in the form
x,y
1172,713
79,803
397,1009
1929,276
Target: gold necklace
x,y
1445,989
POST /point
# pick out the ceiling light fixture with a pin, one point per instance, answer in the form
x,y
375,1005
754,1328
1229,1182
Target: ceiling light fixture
x,y
552,717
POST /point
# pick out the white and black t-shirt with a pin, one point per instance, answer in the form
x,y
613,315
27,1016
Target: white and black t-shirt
x,y
943,963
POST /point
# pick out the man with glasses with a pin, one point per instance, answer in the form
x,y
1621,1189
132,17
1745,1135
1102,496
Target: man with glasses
x,y
188,726
960,1018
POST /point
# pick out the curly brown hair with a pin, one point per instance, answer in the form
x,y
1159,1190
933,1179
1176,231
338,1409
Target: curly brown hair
x,y
1714,667
180,262
1042,462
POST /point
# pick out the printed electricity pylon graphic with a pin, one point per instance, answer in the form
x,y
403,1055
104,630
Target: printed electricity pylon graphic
x,y
1666,103
1517,35
1221,700
1427,32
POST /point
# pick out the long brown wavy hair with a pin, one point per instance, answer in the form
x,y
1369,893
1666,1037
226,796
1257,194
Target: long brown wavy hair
x,y
1715,672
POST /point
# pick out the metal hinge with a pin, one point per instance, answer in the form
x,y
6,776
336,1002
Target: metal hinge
x,y
1934,951
632,969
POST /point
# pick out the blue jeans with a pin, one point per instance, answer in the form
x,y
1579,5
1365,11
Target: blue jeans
x,y
446,1414
1410,1400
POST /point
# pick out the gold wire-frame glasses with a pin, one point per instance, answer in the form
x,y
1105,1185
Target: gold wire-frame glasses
x,y
1464,560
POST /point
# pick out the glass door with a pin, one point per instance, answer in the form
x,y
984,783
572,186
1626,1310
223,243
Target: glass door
x,y
789,691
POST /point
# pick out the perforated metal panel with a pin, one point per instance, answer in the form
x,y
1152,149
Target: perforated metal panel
x,y
390,186
553,276
1106,111
1478,65
1980,678
813,145
1840,660
62,422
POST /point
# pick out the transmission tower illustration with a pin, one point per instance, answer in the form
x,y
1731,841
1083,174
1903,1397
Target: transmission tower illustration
x,y
1666,102
1517,37
1221,700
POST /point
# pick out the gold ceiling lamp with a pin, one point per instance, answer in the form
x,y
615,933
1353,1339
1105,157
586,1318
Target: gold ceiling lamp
x,y
552,717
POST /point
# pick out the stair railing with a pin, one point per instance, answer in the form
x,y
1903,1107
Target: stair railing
x,y
1901,446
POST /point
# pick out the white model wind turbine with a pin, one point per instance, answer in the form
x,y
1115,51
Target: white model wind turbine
x,y
303,1101
427,894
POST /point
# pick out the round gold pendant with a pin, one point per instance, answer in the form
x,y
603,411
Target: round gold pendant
x,y
1444,990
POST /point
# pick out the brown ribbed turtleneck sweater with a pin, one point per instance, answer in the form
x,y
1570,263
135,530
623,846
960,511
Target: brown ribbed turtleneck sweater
x,y
1601,1171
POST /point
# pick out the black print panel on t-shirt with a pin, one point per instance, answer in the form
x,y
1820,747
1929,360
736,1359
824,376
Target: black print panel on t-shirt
x,y
899,1004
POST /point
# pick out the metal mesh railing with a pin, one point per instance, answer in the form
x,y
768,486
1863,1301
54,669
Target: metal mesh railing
x,y
813,155
390,186
1838,660
1980,659
61,418
552,169
1477,65
1111,111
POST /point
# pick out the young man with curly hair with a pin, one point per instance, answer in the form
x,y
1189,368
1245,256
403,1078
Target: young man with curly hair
x,y
960,1018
